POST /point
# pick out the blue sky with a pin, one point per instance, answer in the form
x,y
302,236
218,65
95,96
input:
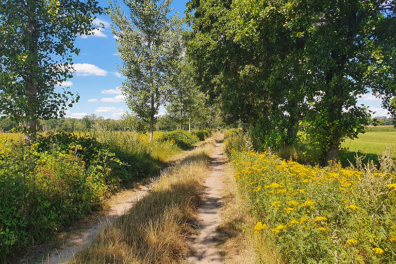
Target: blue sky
x,y
96,78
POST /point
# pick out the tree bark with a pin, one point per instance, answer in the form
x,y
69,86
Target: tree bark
x,y
31,80
189,125
181,119
152,119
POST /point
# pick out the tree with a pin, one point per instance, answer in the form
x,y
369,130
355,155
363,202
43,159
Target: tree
x,y
37,41
186,100
148,42
274,63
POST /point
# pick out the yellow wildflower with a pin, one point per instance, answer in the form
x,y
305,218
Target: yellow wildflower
x,y
293,203
289,210
320,219
294,221
392,239
378,251
259,226
392,186
352,241
308,203
276,203
353,207
273,185
322,229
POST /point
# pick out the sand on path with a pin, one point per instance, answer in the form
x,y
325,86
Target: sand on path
x,y
209,213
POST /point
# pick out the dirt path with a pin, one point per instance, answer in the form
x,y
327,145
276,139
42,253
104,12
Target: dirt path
x,y
77,243
209,213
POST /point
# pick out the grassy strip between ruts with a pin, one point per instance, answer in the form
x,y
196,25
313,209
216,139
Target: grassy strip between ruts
x,y
319,215
154,230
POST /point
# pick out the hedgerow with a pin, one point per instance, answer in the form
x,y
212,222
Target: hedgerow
x,y
181,138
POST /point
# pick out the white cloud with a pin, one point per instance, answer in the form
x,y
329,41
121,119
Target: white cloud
x,y
112,91
115,37
117,115
160,114
108,110
117,74
370,98
379,111
93,100
98,21
78,115
117,99
85,69
115,54
98,32
67,83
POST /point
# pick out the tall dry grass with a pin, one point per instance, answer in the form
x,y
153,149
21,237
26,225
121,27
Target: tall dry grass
x,y
155,229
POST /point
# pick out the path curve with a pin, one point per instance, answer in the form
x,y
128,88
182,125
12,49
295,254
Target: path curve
x,y
77,243
209,213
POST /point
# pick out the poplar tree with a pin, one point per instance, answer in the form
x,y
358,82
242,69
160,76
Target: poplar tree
x,y
148,42
37,43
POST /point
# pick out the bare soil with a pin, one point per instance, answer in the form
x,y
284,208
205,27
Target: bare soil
x,y
204,244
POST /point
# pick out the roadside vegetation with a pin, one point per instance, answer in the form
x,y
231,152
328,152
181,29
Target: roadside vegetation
x,y
155,229
312,214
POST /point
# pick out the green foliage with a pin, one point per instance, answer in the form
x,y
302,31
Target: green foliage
x,y
202,134
274,64
60,178
36,55
181,138
148,43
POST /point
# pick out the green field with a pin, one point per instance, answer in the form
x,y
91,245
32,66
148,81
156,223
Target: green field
x,y
371,144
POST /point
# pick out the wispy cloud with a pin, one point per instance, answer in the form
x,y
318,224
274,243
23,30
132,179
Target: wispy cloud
x,y
93,101
67,83
85,69
379,111
97,32
108,110
112,91
370,98
117,99
117,74
78,115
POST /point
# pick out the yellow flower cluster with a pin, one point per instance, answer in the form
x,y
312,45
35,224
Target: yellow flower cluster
x,y
259,226
306,204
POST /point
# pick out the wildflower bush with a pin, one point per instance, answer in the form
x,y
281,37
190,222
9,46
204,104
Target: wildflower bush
x,y
181,138
62,177
320,215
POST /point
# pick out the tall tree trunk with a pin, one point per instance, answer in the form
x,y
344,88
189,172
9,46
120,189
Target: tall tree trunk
x,y
293,125
181,119
189,125
31,81
152,119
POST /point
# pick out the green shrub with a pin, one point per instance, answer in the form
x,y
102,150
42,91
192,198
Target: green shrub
x,y
62,177
181,138
202,134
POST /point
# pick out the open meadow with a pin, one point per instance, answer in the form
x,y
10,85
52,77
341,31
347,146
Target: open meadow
x,y
370,144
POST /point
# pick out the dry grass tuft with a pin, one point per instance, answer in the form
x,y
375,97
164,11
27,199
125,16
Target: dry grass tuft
x,y
238,242
154,230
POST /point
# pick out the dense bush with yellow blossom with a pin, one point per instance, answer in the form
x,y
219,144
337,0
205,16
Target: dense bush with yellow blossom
x,y
320,215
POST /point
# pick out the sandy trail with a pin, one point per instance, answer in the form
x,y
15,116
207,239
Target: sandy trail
x,y
79,242
209,213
